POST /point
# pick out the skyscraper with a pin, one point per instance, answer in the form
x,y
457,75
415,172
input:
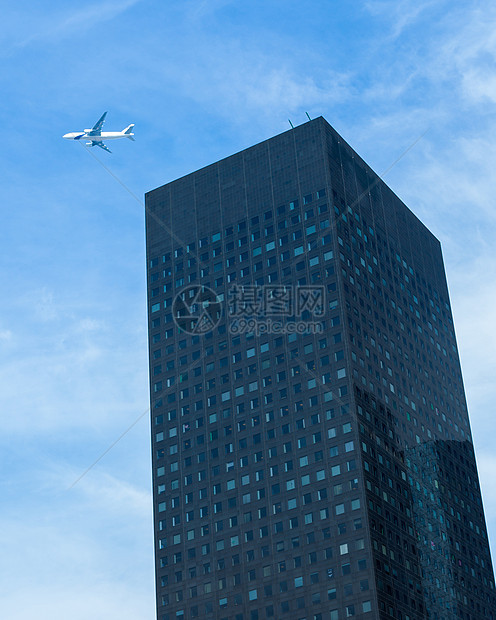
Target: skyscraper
x,y
312,454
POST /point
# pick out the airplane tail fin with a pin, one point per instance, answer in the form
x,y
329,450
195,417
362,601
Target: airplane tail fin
x,y
128,132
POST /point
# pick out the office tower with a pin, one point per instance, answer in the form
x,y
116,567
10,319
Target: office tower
x,y
312,455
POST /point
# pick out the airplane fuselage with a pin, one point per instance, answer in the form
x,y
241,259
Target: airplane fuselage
x,y
104,135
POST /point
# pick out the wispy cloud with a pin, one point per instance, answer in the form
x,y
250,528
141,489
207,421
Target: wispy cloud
x,y
50,26
44,305
5,334
486,465
199,9
73,572
470,57
240,78
474,300
400,14
72,365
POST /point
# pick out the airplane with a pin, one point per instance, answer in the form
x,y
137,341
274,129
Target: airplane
x,y
95,135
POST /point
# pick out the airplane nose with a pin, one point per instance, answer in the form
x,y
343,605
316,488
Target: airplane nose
x,y
66,136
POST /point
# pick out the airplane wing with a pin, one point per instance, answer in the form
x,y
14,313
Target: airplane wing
x,y
101,145
97,127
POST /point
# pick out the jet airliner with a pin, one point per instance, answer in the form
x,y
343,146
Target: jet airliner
x,y
96,136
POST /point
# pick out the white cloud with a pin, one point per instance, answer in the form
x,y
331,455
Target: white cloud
x,y
199,9
77,559
88,324
5,334
443,72
486,461
77,598
471,54
77,371
44,305
78,389
473,295
401,14
230,78
51,26
77,552
99,490
486,465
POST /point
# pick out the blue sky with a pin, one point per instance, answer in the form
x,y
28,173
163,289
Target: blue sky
x,y
201,80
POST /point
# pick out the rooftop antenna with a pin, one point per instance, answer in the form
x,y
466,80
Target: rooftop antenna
x,y
308,116
292,126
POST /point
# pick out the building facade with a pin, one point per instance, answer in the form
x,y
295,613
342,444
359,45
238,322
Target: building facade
x,y
312,454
